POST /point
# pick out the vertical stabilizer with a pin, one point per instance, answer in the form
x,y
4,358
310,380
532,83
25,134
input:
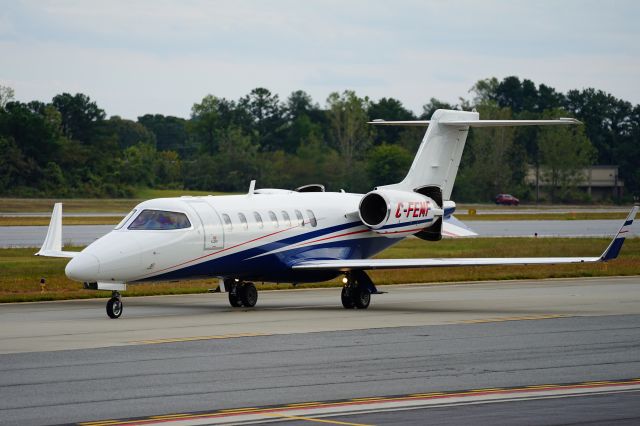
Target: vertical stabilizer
x,y
438,158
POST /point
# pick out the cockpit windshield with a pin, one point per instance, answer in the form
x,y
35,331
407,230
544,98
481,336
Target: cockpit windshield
x,y
160,220
126,219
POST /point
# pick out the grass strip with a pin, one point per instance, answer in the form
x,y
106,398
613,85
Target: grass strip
x,y
44,221
20,271
542,216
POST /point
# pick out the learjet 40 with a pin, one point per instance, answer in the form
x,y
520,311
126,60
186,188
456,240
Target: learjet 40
x,y
295,236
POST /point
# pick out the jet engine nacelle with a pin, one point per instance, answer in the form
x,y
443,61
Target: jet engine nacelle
x,y
397,213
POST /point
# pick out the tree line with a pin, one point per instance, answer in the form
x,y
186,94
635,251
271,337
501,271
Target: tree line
x,y
69,148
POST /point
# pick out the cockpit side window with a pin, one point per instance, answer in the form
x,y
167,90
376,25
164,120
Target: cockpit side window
x,y
157,220
126,219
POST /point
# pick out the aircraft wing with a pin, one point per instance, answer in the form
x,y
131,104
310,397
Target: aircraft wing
x,y
52,246
610,253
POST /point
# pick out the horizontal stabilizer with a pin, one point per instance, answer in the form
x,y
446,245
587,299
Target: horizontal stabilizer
x,y
453,227
478,123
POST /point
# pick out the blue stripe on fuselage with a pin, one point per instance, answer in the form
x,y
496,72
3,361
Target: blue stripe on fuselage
x,y
230,264
277,266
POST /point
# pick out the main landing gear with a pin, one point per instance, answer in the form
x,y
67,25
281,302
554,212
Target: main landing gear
x,y
114,305
241,293
357,290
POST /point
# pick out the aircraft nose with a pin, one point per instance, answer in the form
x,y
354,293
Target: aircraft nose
x,y
83,267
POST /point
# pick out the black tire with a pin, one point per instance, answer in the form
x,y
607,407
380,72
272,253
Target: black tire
x,y
234,298
347,300
249,295
361,297
114,308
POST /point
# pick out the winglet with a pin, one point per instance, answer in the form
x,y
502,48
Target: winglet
x,y
614,248
52,246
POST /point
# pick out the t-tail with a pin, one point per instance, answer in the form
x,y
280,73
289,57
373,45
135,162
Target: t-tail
x,y
435,166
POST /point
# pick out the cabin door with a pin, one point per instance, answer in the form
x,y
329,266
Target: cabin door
x,y
210,224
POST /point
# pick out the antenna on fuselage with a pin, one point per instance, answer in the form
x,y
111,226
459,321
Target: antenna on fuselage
x,y
252,187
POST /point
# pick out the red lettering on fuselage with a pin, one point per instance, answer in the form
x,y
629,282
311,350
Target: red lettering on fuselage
x,y
412,209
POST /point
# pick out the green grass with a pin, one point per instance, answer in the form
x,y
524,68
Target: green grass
x,y
91,205
542,216
20,271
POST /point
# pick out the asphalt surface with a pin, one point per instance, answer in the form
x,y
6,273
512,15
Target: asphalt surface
x,y
81,235
607,409
415,339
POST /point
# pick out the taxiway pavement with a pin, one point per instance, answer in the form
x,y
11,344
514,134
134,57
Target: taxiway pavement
x,y
182,354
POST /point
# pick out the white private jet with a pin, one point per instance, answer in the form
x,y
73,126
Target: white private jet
x,y
306,235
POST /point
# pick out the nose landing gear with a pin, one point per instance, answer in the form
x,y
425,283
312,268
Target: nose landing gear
x,y
114,305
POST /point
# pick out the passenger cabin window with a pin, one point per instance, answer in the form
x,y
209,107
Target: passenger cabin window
x,y
157,220
243,221
300,218
286,217
312,218
258,218
227,221
274,219
125,220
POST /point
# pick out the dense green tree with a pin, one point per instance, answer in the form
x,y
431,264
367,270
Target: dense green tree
x,y
170,132
267,117
387,164
130,133
388,109
79,115
565,152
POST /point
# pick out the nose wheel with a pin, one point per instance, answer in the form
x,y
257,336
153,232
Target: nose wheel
x,y
114,305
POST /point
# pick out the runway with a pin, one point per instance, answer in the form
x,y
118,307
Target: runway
x,y
82,235
66,362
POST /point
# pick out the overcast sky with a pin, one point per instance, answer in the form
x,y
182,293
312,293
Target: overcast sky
x,y
136,57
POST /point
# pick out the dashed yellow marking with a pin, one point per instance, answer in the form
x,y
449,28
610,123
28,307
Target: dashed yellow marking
x,y
313,419
304,404
196,338
170,416
276,412
520,318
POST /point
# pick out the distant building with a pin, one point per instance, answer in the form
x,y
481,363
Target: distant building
x,y
598,182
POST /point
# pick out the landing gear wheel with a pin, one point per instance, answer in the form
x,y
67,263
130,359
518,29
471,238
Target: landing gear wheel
x,y
114,307
234,298
347,300
361,297
249,295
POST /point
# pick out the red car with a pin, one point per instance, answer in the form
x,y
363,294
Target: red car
x,y
507,200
